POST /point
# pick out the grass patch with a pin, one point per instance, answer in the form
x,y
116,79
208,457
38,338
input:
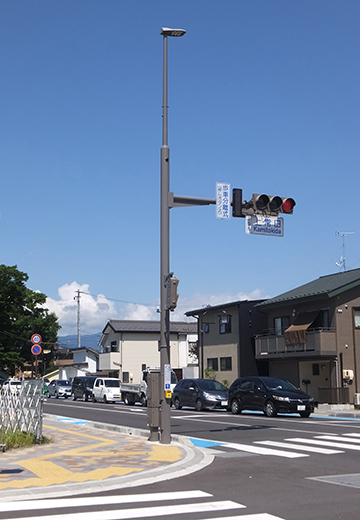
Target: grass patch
x,y
17,440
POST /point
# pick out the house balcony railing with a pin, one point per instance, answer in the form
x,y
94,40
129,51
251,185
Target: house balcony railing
x,y
319,342
110,361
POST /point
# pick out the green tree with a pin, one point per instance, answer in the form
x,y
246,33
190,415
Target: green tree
x,y
21,315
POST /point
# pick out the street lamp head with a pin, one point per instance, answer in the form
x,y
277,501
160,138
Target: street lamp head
x,y
166,31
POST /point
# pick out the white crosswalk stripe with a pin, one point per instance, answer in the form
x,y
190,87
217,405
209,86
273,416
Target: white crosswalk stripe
x,y
330,444
292,448
202,505
312,449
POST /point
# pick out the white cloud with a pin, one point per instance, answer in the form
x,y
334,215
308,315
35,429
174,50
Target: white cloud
x,y
95,311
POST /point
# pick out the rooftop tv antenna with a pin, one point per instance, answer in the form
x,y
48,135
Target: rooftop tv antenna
x,y
343,234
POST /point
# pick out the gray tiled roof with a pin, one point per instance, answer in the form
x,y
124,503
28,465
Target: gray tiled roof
x,y
325,286
180,327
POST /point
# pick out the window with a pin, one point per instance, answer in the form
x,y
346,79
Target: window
x,y
316,369
225,363
224,323
113,346
213,363
246,384
281,324
357,318
126,377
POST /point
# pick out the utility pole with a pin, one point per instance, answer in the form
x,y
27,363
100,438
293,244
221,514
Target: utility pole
x,y
77,298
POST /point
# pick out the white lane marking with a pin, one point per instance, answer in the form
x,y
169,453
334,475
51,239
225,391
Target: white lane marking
x,y
336,438
58,503
352,434
258,450
304,448
146,512
256,516
326,443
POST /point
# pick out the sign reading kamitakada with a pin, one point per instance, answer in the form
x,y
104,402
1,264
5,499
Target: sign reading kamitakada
x,y
260,225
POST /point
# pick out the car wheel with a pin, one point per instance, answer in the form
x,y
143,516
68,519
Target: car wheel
x,y
177,403
305,414
143,400
65,396
93,399
56,395
74,398
105,399
269,409
235,407
85,397
126,399
198,405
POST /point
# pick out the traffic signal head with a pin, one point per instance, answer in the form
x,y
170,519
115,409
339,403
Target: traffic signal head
x,y
271,205
171,293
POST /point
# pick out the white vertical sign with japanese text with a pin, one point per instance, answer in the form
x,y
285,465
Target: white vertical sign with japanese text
x,y
223,202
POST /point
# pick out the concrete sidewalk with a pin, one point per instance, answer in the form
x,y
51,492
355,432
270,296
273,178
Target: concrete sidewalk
x,y
88,457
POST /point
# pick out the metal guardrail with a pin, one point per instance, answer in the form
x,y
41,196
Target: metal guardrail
x,y
21,407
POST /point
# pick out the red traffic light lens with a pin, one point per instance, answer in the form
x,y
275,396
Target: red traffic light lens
x,y
288,205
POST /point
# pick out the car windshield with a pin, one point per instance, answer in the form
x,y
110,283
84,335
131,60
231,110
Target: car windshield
x,y
273,383
210,385
64,382
112,383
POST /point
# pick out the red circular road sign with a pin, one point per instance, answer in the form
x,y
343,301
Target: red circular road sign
x,y
36,338
36,350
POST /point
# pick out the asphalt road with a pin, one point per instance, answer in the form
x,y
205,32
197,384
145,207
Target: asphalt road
x,y
286,466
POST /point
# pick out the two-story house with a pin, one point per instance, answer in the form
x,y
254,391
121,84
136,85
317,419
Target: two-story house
x,y
76,362
129,346
313,337
227,339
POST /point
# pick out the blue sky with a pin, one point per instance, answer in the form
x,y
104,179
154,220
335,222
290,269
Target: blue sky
x,y
263,94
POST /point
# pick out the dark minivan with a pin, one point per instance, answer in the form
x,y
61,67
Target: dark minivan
x,y
200,394
82,387
270,395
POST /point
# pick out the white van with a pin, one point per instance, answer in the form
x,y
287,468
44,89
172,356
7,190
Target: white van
x,y
12,386
106,389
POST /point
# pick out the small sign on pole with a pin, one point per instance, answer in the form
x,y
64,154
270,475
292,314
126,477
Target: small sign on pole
x,y
36,350
223,202
36,338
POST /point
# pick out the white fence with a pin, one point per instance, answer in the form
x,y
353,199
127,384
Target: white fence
x,y
21,407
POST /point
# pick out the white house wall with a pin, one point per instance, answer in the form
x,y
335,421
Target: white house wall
x,y
137,349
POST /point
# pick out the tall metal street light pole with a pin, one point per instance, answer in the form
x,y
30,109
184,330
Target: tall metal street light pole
x,y
165,430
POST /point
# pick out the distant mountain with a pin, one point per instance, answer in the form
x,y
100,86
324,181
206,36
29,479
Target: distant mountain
x,y
87,340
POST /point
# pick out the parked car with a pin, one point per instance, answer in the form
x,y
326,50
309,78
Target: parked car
x,y
12,385
270,395
200,394
82,387
59,388
106,389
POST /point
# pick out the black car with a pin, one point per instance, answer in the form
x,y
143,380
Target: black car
x,y
270,395
200,394
82,387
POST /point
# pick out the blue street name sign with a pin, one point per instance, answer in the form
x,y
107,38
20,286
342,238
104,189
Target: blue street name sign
x,y
262,225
